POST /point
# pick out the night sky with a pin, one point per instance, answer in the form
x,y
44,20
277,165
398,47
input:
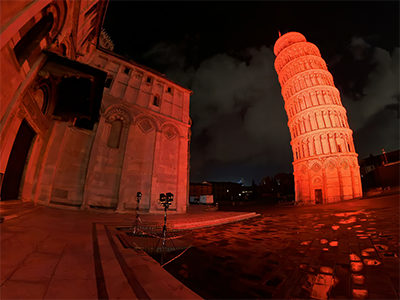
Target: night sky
x,y
223,51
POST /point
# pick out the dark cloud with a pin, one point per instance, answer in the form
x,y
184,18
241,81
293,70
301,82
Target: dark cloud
x,y
222,51
375,118
239,122
238,114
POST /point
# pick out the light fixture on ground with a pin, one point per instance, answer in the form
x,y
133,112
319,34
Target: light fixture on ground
x,y
165,200
137,218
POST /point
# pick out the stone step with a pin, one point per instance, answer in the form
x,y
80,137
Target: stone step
x,y
212,222
146,275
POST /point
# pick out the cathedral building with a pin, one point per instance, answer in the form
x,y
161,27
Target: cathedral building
x,y
325,161
82,126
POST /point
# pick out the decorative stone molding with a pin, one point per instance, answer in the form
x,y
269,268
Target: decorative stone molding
x,y
118,113
58,9
138,75
316,167
29,109
170,131
146,125
344,164
170,134
330,164
105,41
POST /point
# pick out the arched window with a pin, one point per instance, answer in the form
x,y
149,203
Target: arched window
x,y
108,82
41,97
115,134
63,50
156,101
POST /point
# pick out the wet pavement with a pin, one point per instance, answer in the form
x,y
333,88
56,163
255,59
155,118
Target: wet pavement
x,y
347,250
51,253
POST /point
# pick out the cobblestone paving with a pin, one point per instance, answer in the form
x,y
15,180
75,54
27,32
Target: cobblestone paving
x,y
336,255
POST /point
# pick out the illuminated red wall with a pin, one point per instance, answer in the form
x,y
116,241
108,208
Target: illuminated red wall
x,y
324,158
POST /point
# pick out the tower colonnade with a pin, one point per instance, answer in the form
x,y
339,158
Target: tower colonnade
x,y
324,158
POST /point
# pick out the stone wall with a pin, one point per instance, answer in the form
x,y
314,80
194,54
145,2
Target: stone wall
x,y
140,139
152,154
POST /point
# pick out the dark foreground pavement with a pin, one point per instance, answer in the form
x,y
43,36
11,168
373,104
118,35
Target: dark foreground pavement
x,y
338,251
345,250
49,253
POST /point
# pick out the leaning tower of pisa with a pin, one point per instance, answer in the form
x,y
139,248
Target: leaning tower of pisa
x,y
324,159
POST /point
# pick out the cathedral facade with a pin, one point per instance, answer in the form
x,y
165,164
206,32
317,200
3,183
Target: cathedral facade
x,y
324,158
82,126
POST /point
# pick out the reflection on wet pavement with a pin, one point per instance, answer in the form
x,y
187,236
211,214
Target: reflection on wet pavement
x,y
299,256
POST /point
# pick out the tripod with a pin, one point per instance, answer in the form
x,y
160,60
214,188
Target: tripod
x,y
137,221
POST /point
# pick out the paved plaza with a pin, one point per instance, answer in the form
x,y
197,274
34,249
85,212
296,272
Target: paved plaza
x,y
336,251
49,253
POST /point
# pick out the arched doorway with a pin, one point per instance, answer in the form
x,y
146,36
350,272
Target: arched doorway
x,y
17,162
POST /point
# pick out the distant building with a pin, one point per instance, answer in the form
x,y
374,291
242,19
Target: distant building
x,y
381,170
372,162
279,186
200,189
227,190
285,184
268,187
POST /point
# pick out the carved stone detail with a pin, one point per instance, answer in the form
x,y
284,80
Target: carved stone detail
x,y
170,132
146,126
138,75
330,165
118,114
316,167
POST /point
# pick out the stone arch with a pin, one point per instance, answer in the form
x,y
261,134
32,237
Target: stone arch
x,y
314,142
118,112
324,143
331,118
297,152
117,120
299,125
59,11
64,49
293,131
316,180
332,143
41,93
305,142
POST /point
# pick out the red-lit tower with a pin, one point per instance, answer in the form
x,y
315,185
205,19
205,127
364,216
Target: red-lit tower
x,y
325,162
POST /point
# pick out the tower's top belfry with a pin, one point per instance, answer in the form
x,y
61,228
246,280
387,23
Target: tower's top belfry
x,y
288,39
